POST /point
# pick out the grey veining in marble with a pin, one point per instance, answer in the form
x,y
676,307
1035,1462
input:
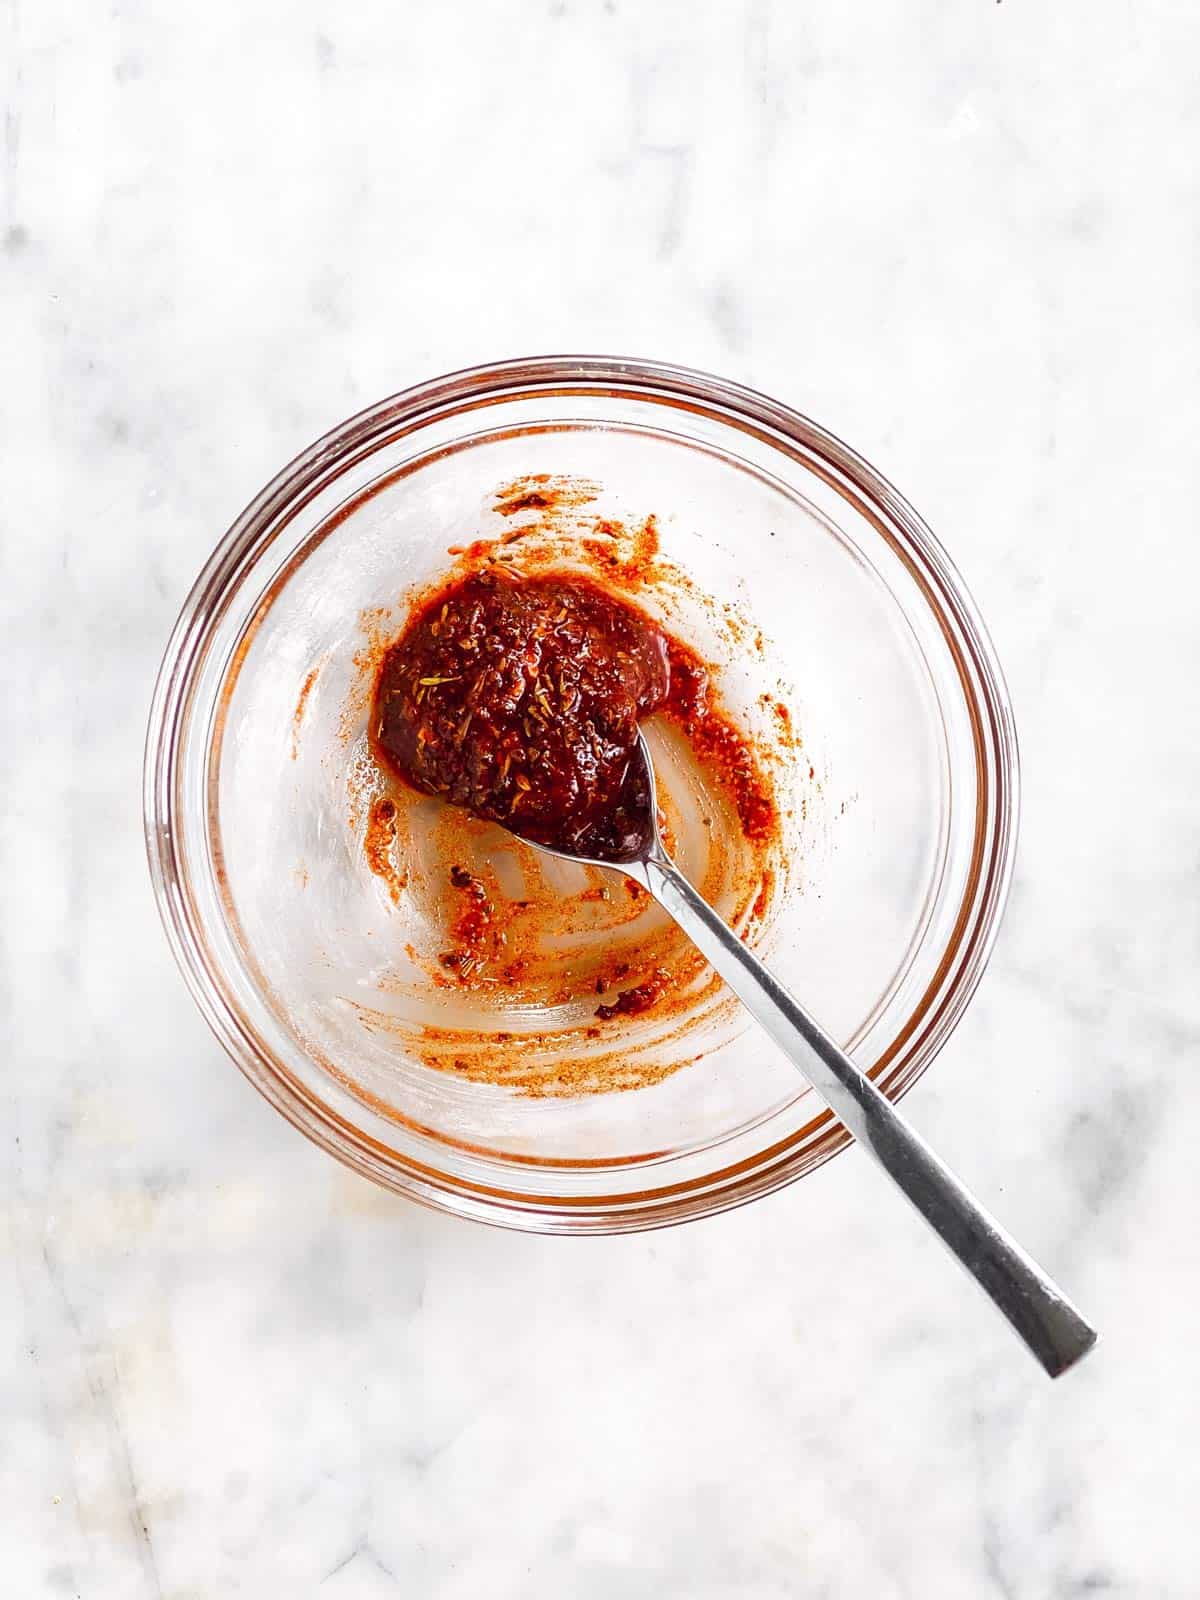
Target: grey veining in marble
x,y
967,238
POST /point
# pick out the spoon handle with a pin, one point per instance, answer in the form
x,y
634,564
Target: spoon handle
x,y
1041,1314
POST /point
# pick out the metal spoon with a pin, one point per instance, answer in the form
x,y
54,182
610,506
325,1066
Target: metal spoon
x,y
1041,1314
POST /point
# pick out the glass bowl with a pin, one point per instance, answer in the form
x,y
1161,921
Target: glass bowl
x,y
901,834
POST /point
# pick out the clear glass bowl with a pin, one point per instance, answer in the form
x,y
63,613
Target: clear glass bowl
x,y
903,844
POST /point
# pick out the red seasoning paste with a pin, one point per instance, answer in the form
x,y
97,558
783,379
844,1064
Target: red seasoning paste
x,y
519,699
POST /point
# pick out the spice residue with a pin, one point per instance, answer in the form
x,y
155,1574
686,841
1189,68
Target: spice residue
x,y
717,740
631,562
640,998
543,491
380,846
306,689
471,926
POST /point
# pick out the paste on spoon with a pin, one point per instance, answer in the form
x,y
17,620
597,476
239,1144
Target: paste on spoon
x,y
519,699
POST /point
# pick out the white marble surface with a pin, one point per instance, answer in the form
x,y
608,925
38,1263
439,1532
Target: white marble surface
x,y
965,237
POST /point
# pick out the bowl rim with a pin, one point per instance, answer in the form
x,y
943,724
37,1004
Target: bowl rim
x,y
874,497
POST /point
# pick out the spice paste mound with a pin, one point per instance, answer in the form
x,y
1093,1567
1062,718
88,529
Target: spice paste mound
x,y
518,698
